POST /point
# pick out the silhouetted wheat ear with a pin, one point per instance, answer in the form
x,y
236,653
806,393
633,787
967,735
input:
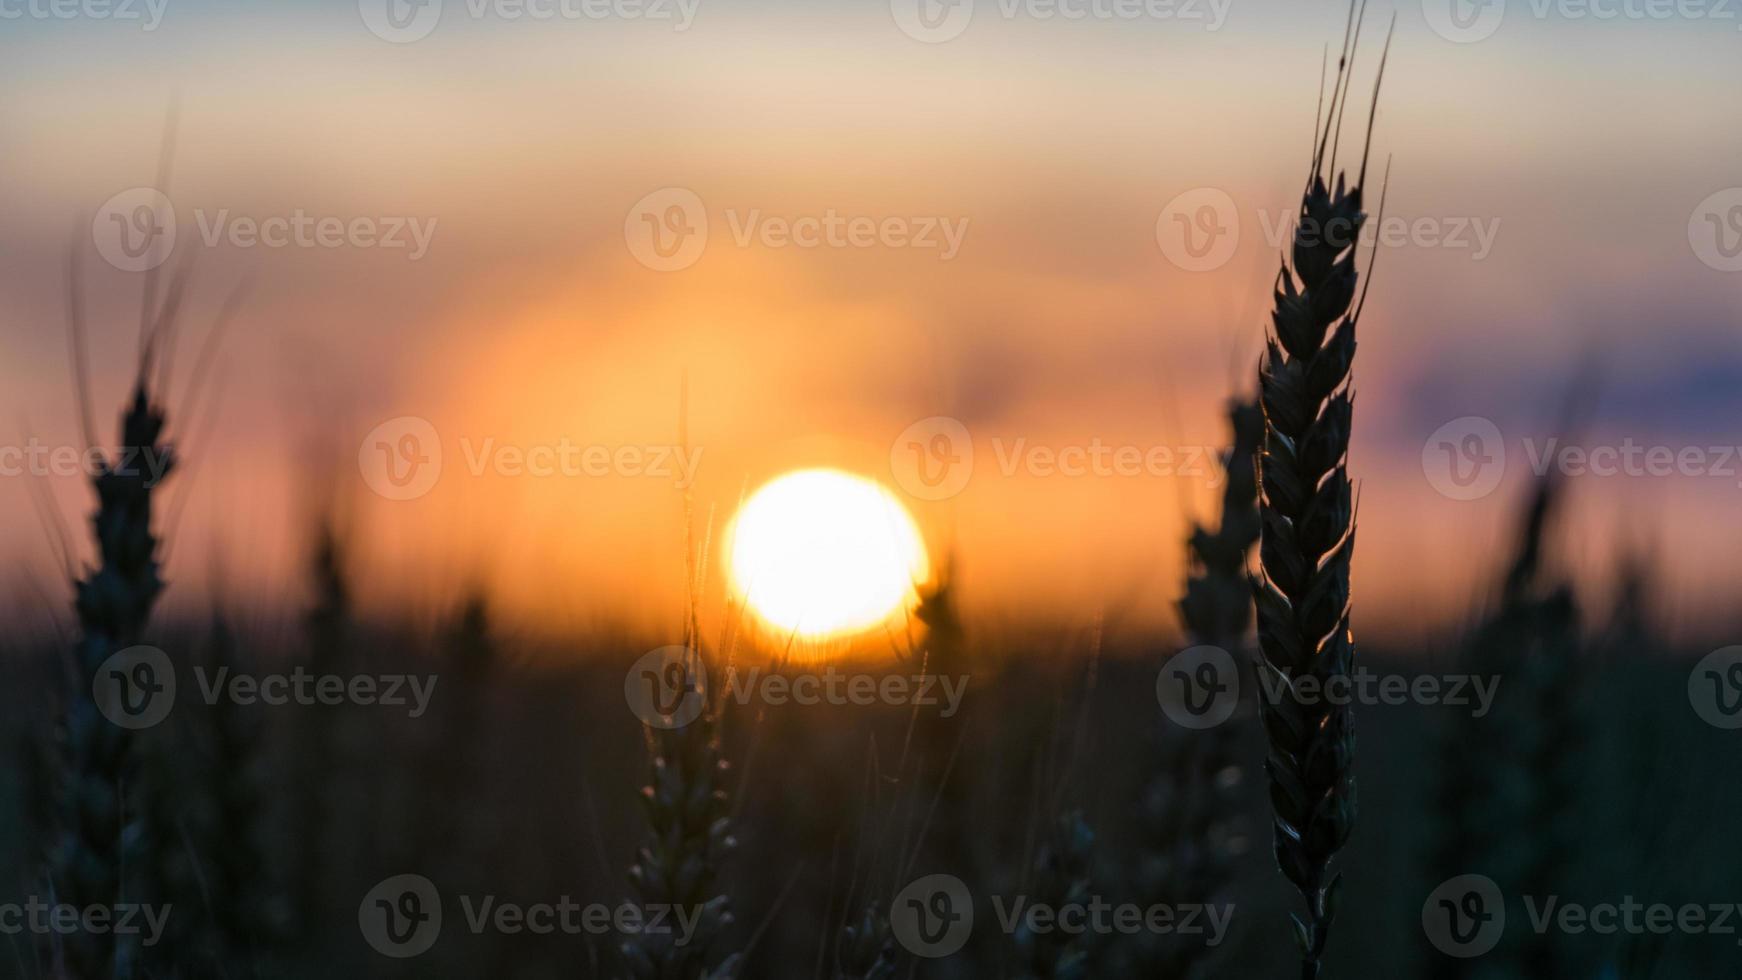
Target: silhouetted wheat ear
x,y
867,950
1307,516
453,765
238,888
318,757
100,832
688,838
1510,782
1217,605
1189,814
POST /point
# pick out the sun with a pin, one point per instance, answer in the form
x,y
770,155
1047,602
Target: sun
x,y
824,553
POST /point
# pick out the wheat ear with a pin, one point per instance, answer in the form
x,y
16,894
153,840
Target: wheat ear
x,y
318,755
688,838
100,833
1307,519
241,895
1188,814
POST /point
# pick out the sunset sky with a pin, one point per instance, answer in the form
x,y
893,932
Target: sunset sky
x,y
1549,187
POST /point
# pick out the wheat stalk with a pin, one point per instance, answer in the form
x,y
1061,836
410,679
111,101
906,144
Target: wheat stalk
x,y
1307,512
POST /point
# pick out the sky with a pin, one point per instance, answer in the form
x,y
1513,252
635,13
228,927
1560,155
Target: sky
x,y
480,224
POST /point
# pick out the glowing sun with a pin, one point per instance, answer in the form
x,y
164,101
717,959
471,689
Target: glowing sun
x,y
823,553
